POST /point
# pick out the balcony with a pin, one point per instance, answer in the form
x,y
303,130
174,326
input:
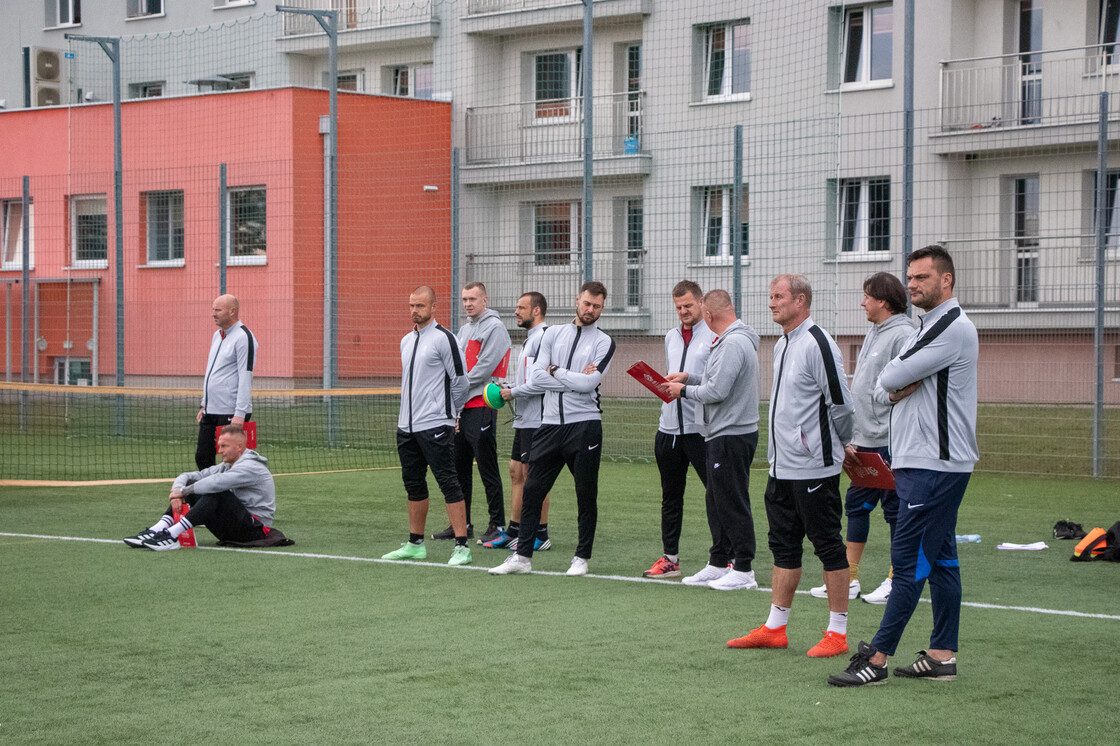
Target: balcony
x,y
1038,100
507,16
362,24
509,143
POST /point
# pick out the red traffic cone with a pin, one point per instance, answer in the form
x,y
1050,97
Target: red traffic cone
x,y
186,539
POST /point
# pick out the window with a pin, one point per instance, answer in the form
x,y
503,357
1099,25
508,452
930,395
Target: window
x,y
1030,62
635,253
89,231
350,80
146,90
73,371
634,90
865,215
1110,31
11,233
412,80
1111,213
716,221
62,12
164,213
141,8
1025,224
867,44
557,83
233,3
556,233
224,82
247,225
727,60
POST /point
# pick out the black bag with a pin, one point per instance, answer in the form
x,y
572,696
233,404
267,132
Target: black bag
x,y
1068,530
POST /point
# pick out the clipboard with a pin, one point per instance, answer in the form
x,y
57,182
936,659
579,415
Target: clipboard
x,y
650,378
872,472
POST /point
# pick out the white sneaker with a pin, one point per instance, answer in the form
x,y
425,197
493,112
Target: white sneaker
x,y
514,564
707,575
821,591
579,567
734,580
880,595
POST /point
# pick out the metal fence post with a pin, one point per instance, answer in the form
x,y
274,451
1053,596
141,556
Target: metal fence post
x,y
455,283
223,228
1098,301
588,144
908,140
25,314
736,226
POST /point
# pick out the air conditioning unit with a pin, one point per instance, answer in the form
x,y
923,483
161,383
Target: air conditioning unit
x,y
46,72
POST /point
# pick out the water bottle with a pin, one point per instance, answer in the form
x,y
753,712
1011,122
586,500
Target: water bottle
x,y
968,538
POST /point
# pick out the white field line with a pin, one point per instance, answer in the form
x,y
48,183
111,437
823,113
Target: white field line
x,y
625,578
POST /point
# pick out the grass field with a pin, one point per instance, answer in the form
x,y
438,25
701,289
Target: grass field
x,y
103,644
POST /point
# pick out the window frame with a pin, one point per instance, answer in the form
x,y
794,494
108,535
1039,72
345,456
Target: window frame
x,y
704,199
865,62
574,234
143,90
149,235
727,90
559,109
6,240
62,377
861,237
635,252
1025,241
411,69
1108,34
75,200
222,4
73,8
1112,214
134,12
251,259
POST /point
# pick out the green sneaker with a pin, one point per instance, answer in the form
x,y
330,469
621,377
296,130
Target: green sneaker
x,y
460,556
408,551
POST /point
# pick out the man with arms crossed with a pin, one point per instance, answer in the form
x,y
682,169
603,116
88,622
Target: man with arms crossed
x,y
678,442
484,342
728,396
572,361
932,385
884,302
810,423
433,389
528,399
228,383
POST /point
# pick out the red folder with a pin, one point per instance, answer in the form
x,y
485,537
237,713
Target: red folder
x,y
649,378
872,472
250,429
473,347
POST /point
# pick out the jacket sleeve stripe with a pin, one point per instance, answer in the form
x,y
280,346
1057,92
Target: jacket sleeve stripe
x,y
252,349
837,393
826,432
456,358
607,358
935,331
943,414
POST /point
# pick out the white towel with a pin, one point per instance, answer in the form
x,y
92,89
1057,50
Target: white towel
x,y
1029,547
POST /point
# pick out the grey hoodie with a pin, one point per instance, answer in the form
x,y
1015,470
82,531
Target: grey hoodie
x,y
872,424
248,478
728,391
491,346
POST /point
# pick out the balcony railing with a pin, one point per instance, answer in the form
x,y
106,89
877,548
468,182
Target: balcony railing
x,y
356,14
498,6
541,131
1038,88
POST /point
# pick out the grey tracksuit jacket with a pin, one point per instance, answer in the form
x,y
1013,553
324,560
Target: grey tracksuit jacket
x,y
492,340
247,478
728,391
810,406
433,379
682,416
528,398
872,406
570,395
228,384
935,427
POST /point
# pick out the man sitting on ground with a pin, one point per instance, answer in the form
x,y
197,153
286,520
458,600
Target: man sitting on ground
x,y
234,499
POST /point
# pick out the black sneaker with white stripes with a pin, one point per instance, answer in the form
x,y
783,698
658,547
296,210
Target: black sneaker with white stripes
x,y
861,670
929,668
161,542
137,542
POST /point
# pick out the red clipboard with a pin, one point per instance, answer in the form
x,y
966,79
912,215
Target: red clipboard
x,y
872,472
649,378
250,429
474,347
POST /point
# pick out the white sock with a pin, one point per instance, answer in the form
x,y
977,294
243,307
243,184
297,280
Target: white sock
x,y
838,622
779,617
164,522
674,558
182,526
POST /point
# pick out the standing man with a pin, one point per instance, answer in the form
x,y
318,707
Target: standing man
x,y
678,442
484,342
728,396
810,423
531,312
572,361
884,302
228,383
932,385
433,388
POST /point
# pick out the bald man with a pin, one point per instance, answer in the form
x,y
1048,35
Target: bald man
x,y
229,377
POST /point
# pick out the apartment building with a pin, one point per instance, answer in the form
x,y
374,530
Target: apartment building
x,y
1007,96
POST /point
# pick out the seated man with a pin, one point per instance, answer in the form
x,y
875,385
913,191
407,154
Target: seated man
x,y
234,499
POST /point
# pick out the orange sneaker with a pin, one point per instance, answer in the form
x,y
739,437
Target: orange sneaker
x,y
832,644
663,568
763,637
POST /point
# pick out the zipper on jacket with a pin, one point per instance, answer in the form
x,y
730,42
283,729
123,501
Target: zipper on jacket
x,y
778,388
206,381
680,403
568,366
411,365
